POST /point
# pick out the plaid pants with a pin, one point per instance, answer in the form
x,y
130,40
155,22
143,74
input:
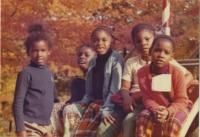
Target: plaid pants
x,y
89,122
146,125
57,120
72,114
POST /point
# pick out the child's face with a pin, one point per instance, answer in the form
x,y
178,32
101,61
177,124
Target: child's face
x,y
39,53
102,42
162,53
144,40
84,56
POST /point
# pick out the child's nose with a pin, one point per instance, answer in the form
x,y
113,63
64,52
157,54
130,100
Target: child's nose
x,y
100,42
82,56
39,53
143,43
161,54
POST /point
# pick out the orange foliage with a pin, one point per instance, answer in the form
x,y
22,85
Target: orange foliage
x,y
71,22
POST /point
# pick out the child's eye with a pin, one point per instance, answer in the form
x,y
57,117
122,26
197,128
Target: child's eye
x,y
167,52
43,50
87,55
104,39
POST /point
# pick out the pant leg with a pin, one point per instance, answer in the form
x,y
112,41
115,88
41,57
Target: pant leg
x,y
109,130
71,117
56,120
144,124
129,123
35,130
172,126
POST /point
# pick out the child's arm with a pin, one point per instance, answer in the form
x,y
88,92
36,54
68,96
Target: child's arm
x,y
148,100
20,92
56,99
108,106
115,83
88,90
126,85
187,74
127,100
180,99
149,103
188,78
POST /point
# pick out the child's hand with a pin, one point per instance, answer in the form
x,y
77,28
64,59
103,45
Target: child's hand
x,y
127,102
109,119
161,114
21,134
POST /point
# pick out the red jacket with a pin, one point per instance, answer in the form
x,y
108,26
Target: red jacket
x,y
178,98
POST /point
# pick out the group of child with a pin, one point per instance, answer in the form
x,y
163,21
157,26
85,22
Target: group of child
x,y
146,93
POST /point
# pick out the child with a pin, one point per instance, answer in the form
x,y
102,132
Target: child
x,y
85,54
163,88
68,110
142,36
35,88
103,79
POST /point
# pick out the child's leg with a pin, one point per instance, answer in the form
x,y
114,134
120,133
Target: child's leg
x,y
71,117
87,126
144,124
129,123
56,119
173,125
32,130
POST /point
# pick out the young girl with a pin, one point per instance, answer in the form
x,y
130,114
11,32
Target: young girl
x,y
103,79
35,88
142,36
163,88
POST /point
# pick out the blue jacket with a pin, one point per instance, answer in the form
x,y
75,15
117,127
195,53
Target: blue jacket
x,y
112,82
